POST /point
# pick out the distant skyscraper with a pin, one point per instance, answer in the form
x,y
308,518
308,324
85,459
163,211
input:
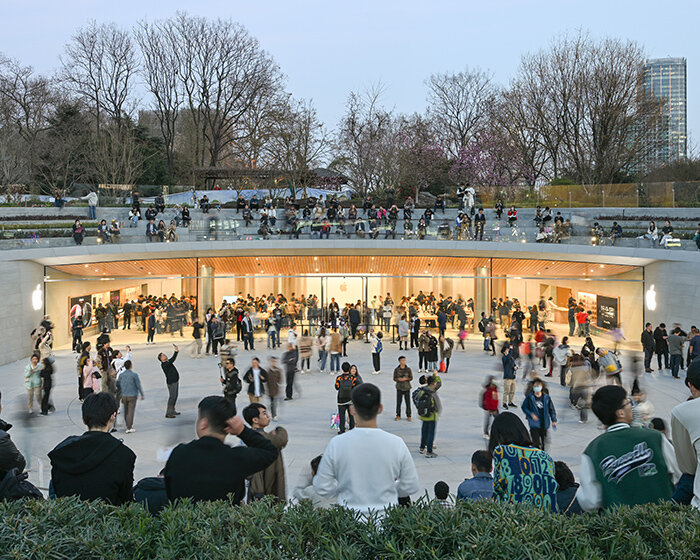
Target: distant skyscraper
x,y
665,78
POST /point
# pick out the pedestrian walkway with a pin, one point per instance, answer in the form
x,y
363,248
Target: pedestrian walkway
x,y
307,417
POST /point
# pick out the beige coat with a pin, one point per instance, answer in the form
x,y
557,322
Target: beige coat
x,y
270,482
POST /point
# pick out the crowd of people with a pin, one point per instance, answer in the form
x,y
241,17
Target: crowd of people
x,y
515,467
321,218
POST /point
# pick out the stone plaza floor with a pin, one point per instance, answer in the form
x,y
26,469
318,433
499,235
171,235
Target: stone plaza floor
x,y
307,417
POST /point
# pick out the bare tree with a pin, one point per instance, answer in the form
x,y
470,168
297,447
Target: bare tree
x,y
361,142
26,100
224,73
14,169
297,144
99,66
161,69
116,156
458,106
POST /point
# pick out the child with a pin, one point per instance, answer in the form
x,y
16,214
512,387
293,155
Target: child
x,y
489,402
442,494
462,337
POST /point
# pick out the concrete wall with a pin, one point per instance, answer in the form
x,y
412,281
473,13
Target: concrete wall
x,y
677,287
18,280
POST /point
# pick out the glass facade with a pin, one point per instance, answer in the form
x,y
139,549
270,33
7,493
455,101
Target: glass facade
x,y
666,78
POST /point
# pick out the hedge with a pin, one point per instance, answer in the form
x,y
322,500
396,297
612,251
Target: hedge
x,y
69,529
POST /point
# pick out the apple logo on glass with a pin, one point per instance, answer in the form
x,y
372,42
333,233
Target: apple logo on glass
x,y
37,298
651,298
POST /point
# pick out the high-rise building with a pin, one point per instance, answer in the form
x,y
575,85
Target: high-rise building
x,y
665,78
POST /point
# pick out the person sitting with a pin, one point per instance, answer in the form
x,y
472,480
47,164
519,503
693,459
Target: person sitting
x,y
615,232
162,230
597,234
305,489
254,204
114,231
480,486
171,234
666,234
151,213
206,469
134,217
444,230
186,219
538,216
150,491
95,465
103,232
240,203
204,204
247,216
10,456
567,503
512,216
160,204
151,230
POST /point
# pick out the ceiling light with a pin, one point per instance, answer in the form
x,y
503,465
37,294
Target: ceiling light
x,y
149,273
86,266
315,258
317,270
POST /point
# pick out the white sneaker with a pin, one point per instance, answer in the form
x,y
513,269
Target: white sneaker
x,y
131,431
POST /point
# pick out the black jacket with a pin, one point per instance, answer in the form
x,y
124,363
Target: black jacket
x,y
249,378
648,342
10,456
207,469
354,316
151,492
170,371
93,466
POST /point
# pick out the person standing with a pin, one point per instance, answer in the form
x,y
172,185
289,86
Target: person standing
x,y
376,348
151,326
231,382
172,380
365,485
255,377
344,385
560,356
46,385
92,200
446,346
197,328
336,349
685,427
428,405
129,387
675,348
32,382
624,465
403,332
305,349
509,368
354,318
415,333
489,402
539,410
289,360
269,481
247,332
661,345
648,345
127,310
403,377
274,377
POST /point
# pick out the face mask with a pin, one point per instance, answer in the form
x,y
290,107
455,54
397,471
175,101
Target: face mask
x,y
537,389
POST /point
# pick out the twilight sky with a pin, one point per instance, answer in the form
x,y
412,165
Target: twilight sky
x,y
329,48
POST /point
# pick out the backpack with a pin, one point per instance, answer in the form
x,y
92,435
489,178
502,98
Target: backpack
x,y
380,346
345,387
423,401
